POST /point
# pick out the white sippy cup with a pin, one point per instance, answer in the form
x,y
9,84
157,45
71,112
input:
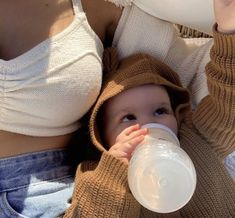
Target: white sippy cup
x,y
161,175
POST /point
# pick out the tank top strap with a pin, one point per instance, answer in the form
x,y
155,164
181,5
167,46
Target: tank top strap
x,y
77,6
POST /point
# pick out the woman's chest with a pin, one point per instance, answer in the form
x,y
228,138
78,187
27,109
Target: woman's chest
x,y
24,24
56,81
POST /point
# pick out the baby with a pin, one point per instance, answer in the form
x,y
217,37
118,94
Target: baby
x,y
124,114
140,90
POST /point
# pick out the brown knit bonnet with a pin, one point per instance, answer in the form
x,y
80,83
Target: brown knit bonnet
x,y
133,71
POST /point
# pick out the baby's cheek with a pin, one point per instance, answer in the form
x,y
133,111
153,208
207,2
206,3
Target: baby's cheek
x,y
174,126
171,123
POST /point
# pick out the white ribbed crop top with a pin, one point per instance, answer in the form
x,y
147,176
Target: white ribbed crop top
x,y
45,91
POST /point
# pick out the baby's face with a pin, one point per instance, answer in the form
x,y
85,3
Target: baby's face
x,y
142,105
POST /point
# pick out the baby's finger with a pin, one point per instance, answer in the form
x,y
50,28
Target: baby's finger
x,y
124,135
133,144
130,146
137,133
130,129
124,151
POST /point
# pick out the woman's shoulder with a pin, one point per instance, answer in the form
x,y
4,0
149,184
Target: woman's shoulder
x,y
103,17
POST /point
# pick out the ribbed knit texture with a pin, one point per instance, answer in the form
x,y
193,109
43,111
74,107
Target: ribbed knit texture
x,y
45,91
206,135
111,184
215,117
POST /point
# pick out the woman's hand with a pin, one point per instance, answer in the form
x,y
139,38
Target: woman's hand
x,y
225,15
127,141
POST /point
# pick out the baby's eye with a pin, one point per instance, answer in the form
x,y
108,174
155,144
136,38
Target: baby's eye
x,y
161,111
128,117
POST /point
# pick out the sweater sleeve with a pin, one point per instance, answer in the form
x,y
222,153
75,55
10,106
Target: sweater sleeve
x,y
215,115
138,31
103,192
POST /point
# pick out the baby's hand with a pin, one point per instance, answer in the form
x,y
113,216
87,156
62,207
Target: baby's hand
x,y
225,15
127,141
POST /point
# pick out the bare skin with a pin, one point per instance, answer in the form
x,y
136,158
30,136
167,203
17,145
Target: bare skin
x,y
26,23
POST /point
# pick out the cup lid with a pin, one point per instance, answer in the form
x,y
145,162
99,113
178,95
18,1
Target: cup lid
x,y
162,127
162,182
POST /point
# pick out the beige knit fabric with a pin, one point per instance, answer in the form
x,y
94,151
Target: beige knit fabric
x,y
207,135
137,32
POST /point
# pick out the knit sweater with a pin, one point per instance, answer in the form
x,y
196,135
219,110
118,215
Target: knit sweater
x,y
207,135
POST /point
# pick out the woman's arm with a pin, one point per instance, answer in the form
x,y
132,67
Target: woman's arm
x,y
197,14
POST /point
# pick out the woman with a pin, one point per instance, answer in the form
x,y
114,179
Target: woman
x,y
51,71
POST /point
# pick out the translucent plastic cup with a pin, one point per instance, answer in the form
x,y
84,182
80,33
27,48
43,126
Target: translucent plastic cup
x,y
161,175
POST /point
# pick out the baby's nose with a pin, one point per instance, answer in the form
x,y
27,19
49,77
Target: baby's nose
x,y
147,120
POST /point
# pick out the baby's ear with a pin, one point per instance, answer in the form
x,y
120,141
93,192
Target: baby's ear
x,y
110,61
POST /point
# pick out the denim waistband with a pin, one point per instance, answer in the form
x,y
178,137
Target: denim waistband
x,y
17,172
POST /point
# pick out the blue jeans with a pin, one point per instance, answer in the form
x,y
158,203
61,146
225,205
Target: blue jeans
x,y
35,185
